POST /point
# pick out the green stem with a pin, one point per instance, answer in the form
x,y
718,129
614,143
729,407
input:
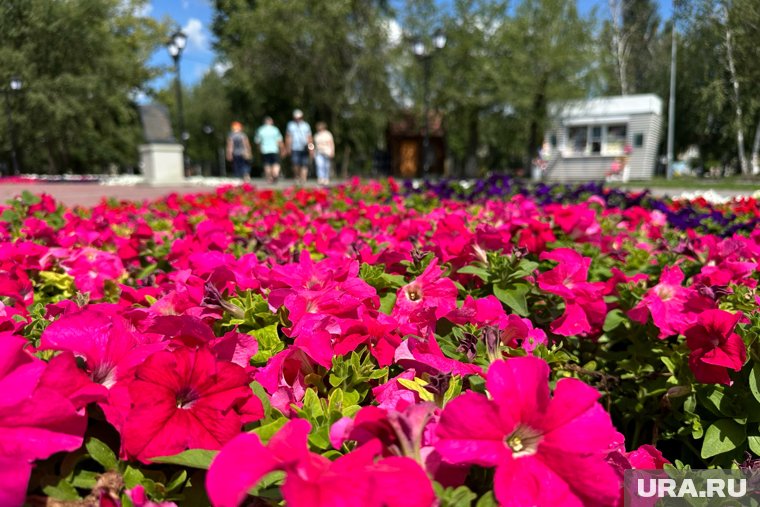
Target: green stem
x,y
636,435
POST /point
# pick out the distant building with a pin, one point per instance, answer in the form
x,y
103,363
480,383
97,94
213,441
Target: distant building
x,y
607,137
405,145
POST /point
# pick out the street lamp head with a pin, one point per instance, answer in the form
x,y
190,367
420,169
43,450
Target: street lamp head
x,y
180,39
208,129
439,39
176,44
16,83
418,47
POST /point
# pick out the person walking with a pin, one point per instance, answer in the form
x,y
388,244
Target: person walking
x,y
239,151
269,139
325,148
300,145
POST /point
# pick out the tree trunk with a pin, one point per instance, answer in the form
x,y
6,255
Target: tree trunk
x,y
756,151
536,137
346,162
735,83
471,160
620,42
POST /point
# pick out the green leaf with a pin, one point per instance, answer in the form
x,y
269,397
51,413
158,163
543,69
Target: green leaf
x,y
387,302
722,436
261,393
754,381
101,453
487,500
451,497
146,271
132,477
267,431
193,458
85,479
414,385
29,198
754,444
613,320
312,405
176,481
454,389
61,490
481,273
514,297
269,343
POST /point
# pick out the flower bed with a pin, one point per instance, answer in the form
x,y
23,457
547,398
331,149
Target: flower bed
x,y
374,344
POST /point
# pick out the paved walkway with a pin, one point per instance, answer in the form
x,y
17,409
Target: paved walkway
x,y
675,192
90,194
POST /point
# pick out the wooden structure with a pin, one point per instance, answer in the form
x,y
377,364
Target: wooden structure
x,y
405,145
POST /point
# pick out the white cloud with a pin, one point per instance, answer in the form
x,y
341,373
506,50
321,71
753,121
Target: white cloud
x,y
143,11
137,9
394,32
196,35
221,68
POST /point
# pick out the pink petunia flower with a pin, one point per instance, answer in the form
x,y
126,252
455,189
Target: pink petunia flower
x,y
111,349
186,399
357,478
420,303
715,348
585,309
36,419
89,267
547,450
667,303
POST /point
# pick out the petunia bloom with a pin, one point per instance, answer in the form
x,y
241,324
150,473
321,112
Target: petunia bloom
x,y
36,419
420,303
667,303
715,348
186,399
357,478
585,309
547,450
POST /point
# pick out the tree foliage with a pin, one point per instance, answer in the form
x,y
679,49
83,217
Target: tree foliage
x,y
326,57
82,63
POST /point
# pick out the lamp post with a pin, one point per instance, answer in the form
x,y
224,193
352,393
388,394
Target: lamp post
x,y
208,129
14,86
424,53
176,45
672,100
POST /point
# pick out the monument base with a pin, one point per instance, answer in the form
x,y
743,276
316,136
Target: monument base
x,y
162,163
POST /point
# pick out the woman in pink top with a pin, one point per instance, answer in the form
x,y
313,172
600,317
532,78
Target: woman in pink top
x,y
325,147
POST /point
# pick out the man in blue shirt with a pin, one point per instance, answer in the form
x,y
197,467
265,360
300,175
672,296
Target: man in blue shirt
x,y
269,139
300,145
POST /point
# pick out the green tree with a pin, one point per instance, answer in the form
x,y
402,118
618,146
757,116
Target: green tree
x,y
479,79
498,73
553,57
327,57
83,62
207,115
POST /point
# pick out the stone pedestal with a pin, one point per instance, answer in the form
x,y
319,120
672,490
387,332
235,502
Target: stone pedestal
x,y
162,163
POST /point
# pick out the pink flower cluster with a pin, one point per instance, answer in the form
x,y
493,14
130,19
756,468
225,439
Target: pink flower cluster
x,y
206,322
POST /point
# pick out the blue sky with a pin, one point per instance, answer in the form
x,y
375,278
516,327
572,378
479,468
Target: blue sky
x,y
195,16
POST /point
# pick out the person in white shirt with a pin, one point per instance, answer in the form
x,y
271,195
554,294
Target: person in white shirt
x,y
300,145
325,147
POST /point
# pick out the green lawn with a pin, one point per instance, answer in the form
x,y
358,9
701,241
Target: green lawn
x,y
689,182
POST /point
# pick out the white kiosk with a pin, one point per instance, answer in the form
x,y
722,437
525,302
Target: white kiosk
x,y
603,138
